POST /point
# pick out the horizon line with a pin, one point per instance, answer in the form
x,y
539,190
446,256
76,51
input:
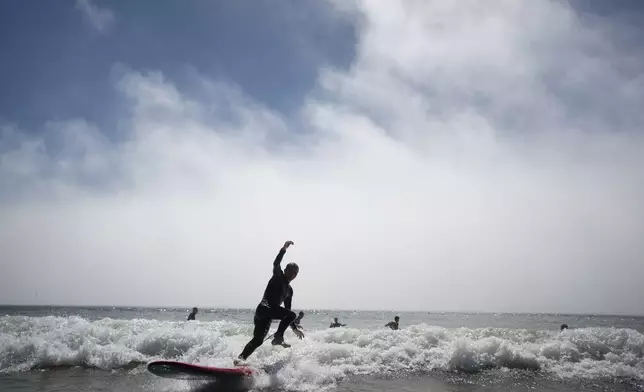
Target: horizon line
x,y
331,310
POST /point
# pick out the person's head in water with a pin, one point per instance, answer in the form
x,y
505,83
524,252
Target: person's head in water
x,y
335,320
301,314
396,319
564,326
291,271
195,310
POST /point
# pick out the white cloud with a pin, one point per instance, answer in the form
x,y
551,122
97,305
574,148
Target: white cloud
x,y
100,18
459,164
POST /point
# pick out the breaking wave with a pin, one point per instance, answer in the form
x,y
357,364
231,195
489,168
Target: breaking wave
x,y
325,356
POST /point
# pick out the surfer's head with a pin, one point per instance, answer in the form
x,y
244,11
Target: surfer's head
x,y
301,314
564,326
195,310
291,271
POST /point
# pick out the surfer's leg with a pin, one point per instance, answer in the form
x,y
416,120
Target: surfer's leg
x,y
262,325
287,318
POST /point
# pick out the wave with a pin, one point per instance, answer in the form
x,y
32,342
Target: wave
x,y
28,343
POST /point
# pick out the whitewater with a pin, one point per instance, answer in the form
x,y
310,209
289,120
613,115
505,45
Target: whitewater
x,y
328,357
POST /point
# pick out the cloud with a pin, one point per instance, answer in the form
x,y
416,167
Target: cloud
x,y
100,18
471,158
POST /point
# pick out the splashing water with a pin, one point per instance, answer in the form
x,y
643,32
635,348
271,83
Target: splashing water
x,y
325,356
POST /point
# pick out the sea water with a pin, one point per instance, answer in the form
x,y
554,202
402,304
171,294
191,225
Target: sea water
x,y
106,349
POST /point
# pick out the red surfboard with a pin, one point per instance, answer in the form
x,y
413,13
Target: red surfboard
x,y
189,371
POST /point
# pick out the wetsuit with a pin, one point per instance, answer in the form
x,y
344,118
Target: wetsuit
x,y
191,316
277,290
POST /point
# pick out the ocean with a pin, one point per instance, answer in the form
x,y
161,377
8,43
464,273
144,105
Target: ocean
x,y
106,349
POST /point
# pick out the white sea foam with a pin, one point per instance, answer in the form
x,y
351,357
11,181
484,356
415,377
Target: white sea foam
x,y
325,356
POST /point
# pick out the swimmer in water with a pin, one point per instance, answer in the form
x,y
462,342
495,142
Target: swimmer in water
x,y
336,324
393,324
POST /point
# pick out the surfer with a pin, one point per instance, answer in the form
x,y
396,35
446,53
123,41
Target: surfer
x,y
393,324
277,290
296,322
336,324
192,314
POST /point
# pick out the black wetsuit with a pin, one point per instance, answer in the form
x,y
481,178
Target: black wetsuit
x,y
277,290
191,316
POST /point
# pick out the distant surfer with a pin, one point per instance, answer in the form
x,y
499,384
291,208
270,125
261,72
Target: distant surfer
x,y
336,324
277,290
297,321
192,314
393,324
563,326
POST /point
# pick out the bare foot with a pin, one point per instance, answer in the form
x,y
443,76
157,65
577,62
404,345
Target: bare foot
x,y
280,342
239,362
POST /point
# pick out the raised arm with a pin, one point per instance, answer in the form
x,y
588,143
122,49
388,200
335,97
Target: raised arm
x,y
278,259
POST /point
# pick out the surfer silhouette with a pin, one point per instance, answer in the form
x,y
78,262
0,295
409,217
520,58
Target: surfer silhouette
x,y
336,324
296,322
192,314
277,290
393,324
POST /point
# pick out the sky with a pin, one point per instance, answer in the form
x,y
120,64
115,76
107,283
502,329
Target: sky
x,y
422,155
